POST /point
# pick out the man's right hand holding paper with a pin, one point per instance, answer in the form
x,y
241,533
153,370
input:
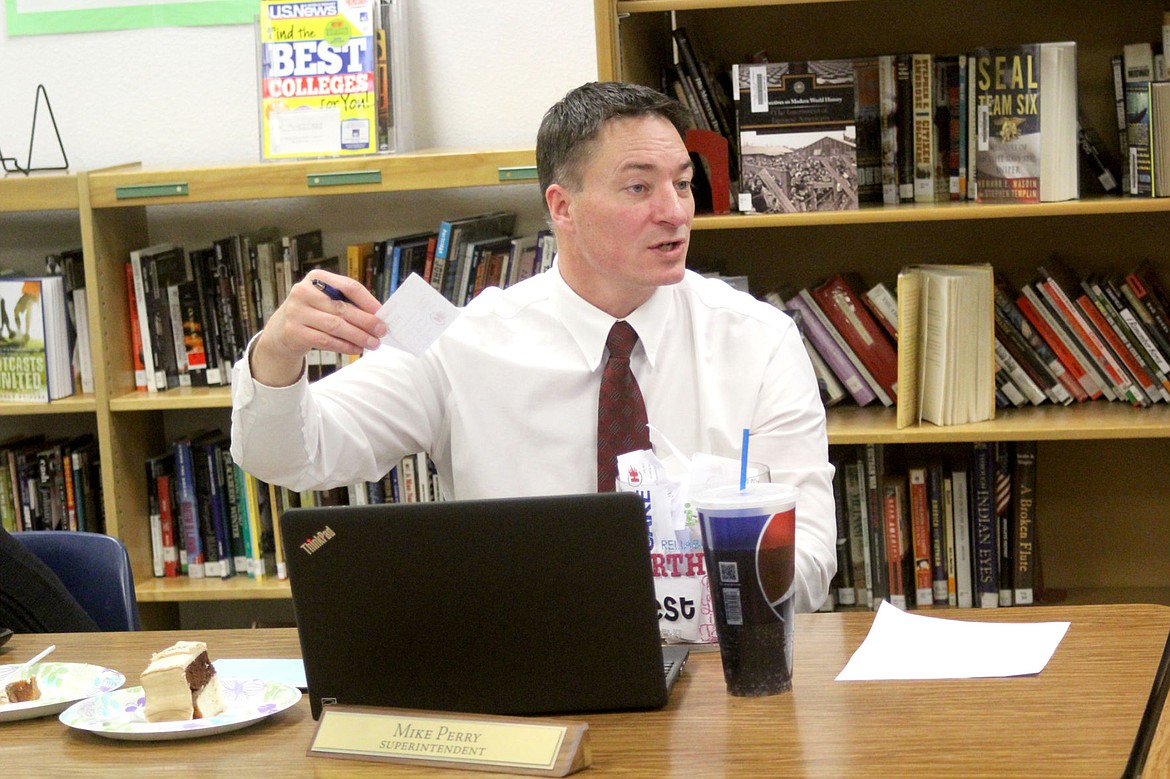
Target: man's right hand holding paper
x,y
308,319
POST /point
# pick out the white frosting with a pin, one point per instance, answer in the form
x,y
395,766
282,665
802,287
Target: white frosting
x,y
164,685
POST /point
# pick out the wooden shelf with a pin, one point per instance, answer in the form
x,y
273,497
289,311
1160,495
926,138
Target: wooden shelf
x,y
652,6
38,192
75,404
178,398
1093,420
264,181
937,212
181,588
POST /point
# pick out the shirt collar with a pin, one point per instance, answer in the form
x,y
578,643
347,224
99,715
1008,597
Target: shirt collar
x,y
589,326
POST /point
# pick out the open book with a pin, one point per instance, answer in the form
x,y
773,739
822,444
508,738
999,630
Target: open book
x,y
946,344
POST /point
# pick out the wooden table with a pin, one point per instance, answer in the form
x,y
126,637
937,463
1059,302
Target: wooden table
x,y
1079,717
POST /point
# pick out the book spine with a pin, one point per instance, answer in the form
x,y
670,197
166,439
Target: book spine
x,y
920,535
949,536
1110,330
144,328
1117,67
858,532
1140,324
239,555
166,512
191,552
925,145
858,328
1144,294
1041,318
985,548
154,518
888,123
961,516
1031,362
703,90
831,351
893,508
873,458
938,533
1007,307
842,585
903,70
1090,343
1024,504
1004,519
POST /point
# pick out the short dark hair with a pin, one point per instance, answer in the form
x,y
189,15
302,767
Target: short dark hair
x,y
577,118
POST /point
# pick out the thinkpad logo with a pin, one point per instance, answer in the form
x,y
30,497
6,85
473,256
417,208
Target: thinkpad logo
x,y
318,540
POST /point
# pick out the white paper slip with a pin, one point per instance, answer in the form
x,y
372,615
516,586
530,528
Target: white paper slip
x,y
901,645
415,315
290,672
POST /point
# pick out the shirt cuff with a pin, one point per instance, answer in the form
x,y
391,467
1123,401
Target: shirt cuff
x,y
261,398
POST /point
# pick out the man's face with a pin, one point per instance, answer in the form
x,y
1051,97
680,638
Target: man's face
x,y
626,229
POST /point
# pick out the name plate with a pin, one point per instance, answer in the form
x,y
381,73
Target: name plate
x,y
481,742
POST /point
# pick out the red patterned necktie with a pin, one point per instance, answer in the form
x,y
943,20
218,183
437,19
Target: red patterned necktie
x,y
621,412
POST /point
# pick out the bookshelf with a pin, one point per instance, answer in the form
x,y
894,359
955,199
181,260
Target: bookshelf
x,y
1103,498
107,210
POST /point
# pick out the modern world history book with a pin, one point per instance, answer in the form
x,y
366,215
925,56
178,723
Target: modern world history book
x,y
797,136
317,79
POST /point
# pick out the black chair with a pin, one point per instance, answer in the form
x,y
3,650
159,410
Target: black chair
x,y
95,568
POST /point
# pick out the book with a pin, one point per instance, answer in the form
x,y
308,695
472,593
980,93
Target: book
x,y
317,80
1147,113
920,534
704,89
942,550
873,460
835,351
888,127
1004,519
839,301
1027,123
904,152
924,135
867,115
191,551
859,540
984,532
446,273
894,513
961,519
946,345
1024,523
70,265
150,320
35,359
797,136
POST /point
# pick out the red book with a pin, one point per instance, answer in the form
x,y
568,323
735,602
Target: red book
x,y
167,522
1066,357
135,332
857,326
893,501
920,534
1120,348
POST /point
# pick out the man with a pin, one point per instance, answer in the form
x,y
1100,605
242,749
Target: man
x,y
506,400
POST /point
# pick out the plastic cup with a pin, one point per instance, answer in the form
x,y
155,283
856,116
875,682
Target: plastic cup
x,y
749,541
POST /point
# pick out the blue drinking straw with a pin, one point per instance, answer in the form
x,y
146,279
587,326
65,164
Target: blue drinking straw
x,y
743,461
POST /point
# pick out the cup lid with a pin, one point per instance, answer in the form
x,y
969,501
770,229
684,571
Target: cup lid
x,y
730,496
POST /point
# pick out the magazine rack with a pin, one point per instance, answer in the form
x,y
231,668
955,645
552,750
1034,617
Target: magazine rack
x,y
12,165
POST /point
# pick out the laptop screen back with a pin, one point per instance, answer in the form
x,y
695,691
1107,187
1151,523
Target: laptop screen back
x,y
506,606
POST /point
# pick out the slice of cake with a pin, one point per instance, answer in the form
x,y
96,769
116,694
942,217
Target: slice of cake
x,y
20,691
180,684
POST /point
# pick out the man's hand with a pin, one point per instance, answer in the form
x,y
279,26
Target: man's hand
x,y
310,319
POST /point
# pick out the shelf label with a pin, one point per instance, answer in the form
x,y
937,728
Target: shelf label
x,y
344,177
130,191
518,173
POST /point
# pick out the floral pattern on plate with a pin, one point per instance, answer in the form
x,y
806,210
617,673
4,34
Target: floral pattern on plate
x,y
60,684
119,714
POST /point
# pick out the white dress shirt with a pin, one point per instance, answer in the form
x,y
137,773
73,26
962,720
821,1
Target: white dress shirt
x,y
505,403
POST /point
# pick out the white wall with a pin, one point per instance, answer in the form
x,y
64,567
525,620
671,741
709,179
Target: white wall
x,y
482,74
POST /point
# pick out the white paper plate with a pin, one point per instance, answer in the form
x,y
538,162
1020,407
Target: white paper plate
x,y
60,684
119,714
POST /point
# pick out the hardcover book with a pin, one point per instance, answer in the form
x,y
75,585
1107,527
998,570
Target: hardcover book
x,y
797,136
1027,123
841,305
317,79
35,359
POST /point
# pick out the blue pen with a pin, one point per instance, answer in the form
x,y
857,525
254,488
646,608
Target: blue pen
x,y
333,292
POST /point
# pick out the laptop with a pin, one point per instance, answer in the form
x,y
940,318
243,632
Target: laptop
x,y
537,605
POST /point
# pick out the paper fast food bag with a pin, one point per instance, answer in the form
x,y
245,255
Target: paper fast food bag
x,y
685,614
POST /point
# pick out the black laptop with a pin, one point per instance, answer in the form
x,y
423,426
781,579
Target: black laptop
x,y
538,605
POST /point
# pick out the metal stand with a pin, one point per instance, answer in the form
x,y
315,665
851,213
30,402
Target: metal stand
x,y
12,165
